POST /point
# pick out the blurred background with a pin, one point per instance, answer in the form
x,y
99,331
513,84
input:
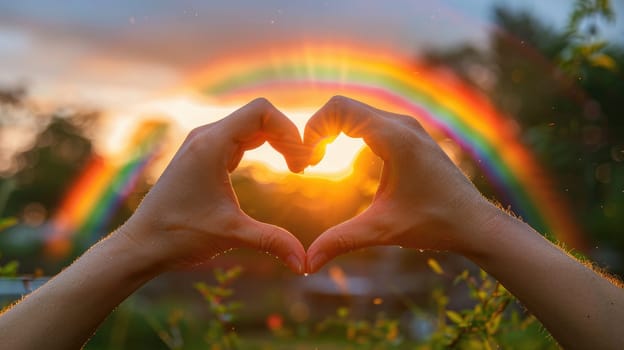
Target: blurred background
x,y
96,97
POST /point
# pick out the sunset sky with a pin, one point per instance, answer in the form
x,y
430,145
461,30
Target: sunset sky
x,y
129,58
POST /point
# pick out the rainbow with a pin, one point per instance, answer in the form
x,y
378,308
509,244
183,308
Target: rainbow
x,y
305,77
100,189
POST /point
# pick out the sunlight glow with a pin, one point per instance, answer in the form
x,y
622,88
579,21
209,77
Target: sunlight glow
x,y
187,113
336,164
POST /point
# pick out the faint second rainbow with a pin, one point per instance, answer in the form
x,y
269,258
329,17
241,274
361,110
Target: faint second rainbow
x,y
100,189
308,76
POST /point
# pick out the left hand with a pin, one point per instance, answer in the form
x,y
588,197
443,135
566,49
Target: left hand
x,y
192,213
423,201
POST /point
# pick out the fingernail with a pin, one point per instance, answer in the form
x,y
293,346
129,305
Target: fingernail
x,y
295,263
317,262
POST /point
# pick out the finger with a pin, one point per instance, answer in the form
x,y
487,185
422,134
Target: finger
x,y
273,240
355,119
357,233
259,121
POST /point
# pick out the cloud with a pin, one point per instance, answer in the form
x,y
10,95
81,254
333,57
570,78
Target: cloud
x,y
185,33
126,48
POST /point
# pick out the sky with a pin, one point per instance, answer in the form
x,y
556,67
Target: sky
x,y
131,48
124,56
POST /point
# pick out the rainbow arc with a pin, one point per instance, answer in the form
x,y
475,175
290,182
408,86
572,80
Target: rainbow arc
x,y
100,189
306,77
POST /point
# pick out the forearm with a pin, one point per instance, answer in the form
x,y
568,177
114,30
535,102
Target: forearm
x,y
190,215
65,312
580,308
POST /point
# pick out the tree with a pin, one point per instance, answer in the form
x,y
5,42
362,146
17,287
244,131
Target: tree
x,y
564,88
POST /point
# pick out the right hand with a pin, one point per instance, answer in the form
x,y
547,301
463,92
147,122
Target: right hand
x,y
423,201
192,213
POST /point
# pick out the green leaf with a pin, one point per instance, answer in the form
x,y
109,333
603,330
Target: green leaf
x,y
433,264
455,317
202,288
461,277
599,60
220,291
6,223
233,273
9,269
492,326
483,274
219,275
591,48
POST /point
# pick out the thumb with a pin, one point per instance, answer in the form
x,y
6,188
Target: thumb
x,y
275,241
350,235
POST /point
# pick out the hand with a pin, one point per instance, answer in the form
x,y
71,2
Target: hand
x,y
192,213
423,201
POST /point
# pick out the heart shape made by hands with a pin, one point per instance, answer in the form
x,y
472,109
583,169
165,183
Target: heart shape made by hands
x,y
333,204
339,115
420,199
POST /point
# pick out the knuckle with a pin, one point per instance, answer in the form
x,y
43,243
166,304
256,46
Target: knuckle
x,y
194,134
261,103
200,132
338,103
338,99
200,140
267,241
193,142
195,145
383,231
345,243
232,224
410,122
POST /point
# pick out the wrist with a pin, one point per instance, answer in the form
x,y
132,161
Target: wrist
x,y
481,224
144,254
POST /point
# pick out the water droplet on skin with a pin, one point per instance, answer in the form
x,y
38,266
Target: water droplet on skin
x,y
305,274
421,250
